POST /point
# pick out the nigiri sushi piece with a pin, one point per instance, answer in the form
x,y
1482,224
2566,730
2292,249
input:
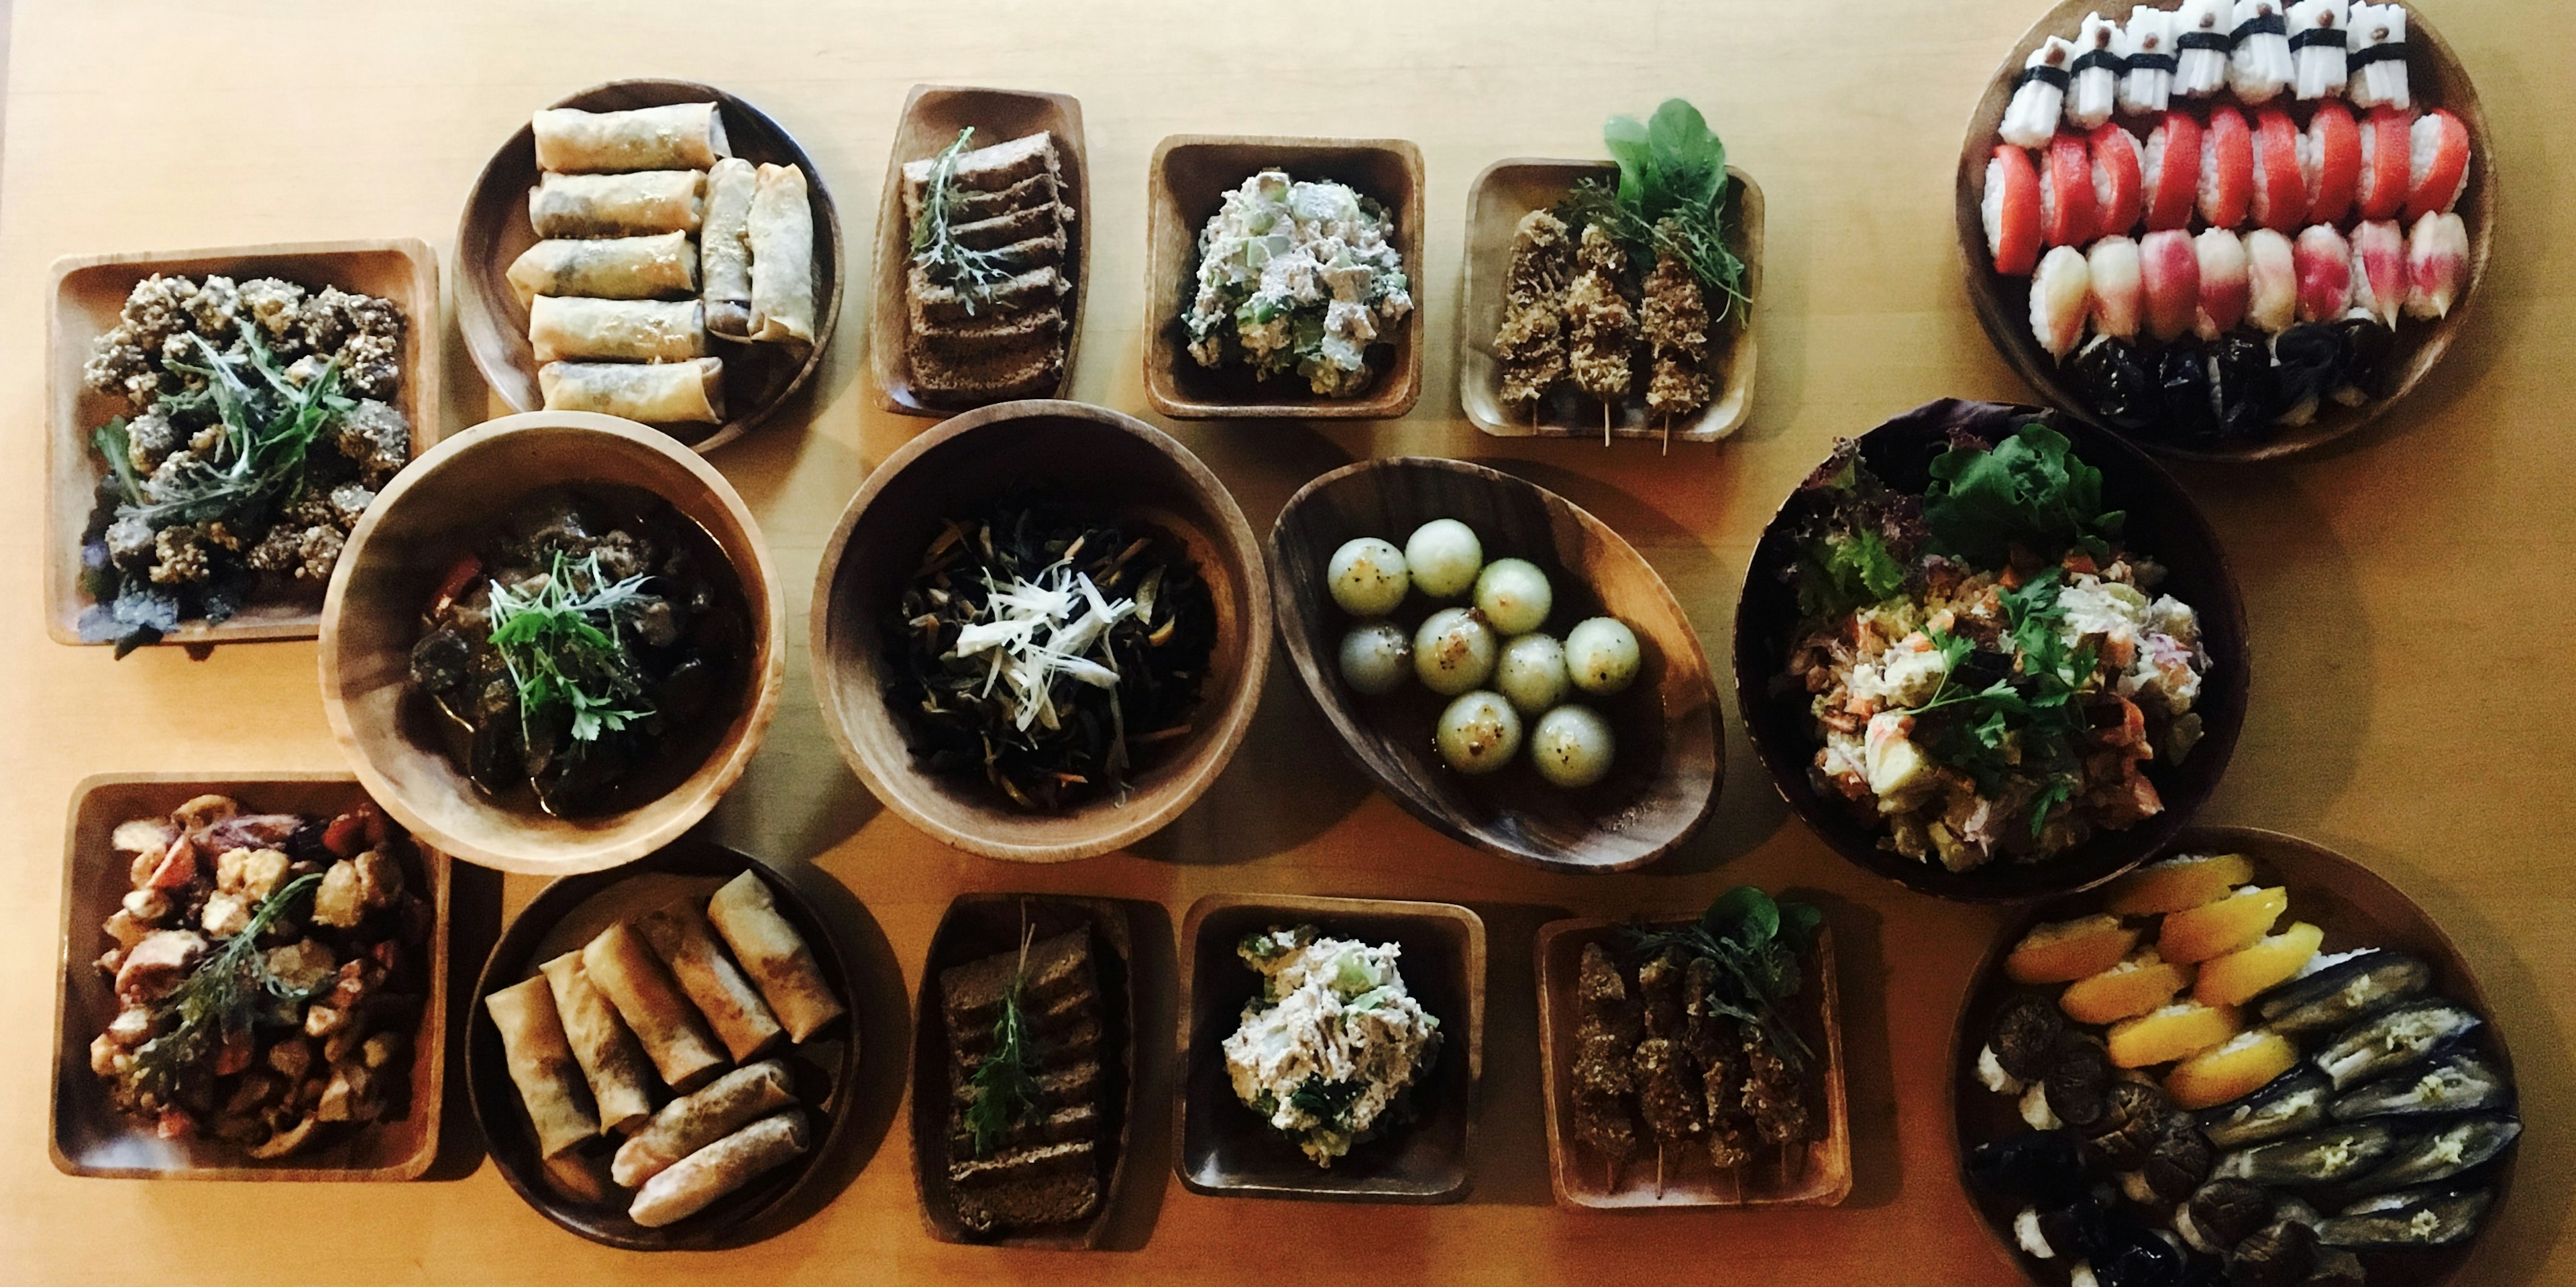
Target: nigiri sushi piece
x,y
2066,207
2259,66
2117,177
2094,89
2147,61
2379,275
2201,41
2169,172
2320,31
2280,195
2271,281
2227,168
2437,163
2169,271
2330,162
2040,95
2324,261
2387,149
2224,288
2375,62
2437,261
2060,297
2112,265
2011,207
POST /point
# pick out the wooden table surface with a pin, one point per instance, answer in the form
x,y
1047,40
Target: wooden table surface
x,y
2409,592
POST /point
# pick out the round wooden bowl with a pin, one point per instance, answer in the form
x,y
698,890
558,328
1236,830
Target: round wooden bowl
x,y
2163,525
2352,904
2436,79
1670,760
758,378
436,509
1106,464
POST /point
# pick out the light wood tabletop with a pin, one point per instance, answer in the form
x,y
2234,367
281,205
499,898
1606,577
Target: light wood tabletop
x,y
2410,593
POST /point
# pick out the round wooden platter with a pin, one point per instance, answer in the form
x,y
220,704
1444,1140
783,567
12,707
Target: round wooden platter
x,y
2163,525
1106,463
1670,760
567,914
2436,78
758,377
2355,907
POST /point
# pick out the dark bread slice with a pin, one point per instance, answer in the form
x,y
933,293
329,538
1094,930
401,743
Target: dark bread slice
x,y
1026,1163
1072,1122
1046,1021
999,170
1028,1204
1010,226
931,305
1075,1083
1078,1041
1008,331
994,376
971,994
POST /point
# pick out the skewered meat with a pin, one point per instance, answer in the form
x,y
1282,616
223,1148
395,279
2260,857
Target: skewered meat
x,y
1531,341
1605,1032
1711,1039
1771,1098
1660,986
1675,318
1599,321
1667,1093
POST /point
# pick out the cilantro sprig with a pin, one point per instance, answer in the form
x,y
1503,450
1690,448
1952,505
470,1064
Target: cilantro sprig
x,y
2024,725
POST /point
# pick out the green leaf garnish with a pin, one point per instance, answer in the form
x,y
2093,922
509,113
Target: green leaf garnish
x,y
973,274
230,991
564,644
2028,491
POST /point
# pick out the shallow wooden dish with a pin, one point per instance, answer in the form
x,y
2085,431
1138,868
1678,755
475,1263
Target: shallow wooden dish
x,y
1584,1180
2436,78
1505,192
2164,525
1185,185
1670,760
409,539
570,912
981,925
1227,1151
87,1137
2355,907
1106,463
758,378
932,115
87,295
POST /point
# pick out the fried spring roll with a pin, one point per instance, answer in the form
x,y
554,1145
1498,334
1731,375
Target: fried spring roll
x,y
657,393
774,955
718,1169
625,972
675,136
541,1065
694,1121
781,232
617,205
725,247
730,1004
616,330
656,267
610,1061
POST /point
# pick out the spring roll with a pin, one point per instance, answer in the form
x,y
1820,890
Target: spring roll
x,y
692,1122
781,231
718,1169
616,330
625,972
661,393
617,205
676,136
657,267
541,1065
774,955
725,247
609,1060
678,934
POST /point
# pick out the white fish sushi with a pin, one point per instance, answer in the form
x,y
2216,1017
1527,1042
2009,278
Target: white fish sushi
x,y
2320,31
2224,286
2112,272
2201,41
2060,299
2437,262
2260,67
2146,47
2169,279
2030,120
2094,89
2379,277
2375,62
2271,281
2324,264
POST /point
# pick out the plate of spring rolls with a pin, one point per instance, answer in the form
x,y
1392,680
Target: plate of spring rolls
x,y
658,250
659,1053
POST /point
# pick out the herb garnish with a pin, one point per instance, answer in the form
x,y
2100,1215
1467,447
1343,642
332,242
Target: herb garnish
x,y
2028,490
2021,725
1671,198
1756,944
228,992
1328,1102
565,647
972,273
1006,1090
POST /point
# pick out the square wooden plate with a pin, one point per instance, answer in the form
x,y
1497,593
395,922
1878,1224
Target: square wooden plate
x,y
85,1135
1512,188
88,295
1186,184
1226,1151
1582,1180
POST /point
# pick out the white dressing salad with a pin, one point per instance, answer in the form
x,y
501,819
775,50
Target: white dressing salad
x,y
1300,277
1329,1048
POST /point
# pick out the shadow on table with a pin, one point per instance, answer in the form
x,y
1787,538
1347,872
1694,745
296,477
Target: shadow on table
x,y
1508,1160
1869,1070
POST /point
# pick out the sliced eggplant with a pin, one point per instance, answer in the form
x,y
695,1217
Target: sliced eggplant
x,y
2341,994
2459,1082
2408,1218
2277,1255
2394,1039
2335,1155
2297,1100
2432,1156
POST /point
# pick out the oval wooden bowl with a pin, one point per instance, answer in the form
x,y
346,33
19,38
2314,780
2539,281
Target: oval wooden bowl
x,y
433,512
2355,907
758,378
1670,760
1106,463
568,913
2163,525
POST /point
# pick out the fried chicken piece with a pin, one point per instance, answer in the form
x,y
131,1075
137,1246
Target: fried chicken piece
x,y
1710,1038
1605,1032
1674,317
1601,325
1530,344
1667,1094
1771,1097
1660,986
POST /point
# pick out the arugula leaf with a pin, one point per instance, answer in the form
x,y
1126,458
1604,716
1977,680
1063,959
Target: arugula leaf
x,y
1689,159
2029,490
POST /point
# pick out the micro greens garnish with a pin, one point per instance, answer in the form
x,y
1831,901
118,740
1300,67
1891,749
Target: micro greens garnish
x,y
268,427
973,274
564,644
229,991
1671,198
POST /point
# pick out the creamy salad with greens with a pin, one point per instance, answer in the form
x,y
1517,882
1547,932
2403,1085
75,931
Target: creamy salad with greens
x,y
1297,277
1329,1049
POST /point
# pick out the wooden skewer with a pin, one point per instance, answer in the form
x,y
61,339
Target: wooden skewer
x,y
1668,435
1605,424
1659,1172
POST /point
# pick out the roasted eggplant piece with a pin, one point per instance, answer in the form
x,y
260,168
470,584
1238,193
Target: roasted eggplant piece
x,y
2297,1100
2308,368
2026,1037
2456,1083
2340,994
2408,1218
2279,1254
2242,396
2432,1156
2182,391
2335,1267
2078,1230
2222,1214
2039,1167
2336,1155
2369,351
2394,1039
2079,1081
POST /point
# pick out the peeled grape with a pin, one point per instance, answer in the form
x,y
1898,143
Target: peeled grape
x,y
1601,656
1479,733
1453,651
1572,746
1367,576
1376,658
1514,595
1444,557
1531,672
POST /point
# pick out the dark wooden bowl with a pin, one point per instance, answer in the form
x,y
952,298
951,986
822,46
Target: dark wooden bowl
x,y
2354,905
981,925
2437,79
1670,760
931,117
2163,525
1185,186
1106,464
758,378
1228,1151
568,913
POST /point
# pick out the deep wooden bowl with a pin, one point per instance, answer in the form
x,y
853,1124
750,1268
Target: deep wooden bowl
x,y
1670,761
412,535
2163,525
982,925
1185,186
570,912
2354,905
2437,79
1226,1150
88,1137
758,378
88,294
932,115
1508,190
1108,464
